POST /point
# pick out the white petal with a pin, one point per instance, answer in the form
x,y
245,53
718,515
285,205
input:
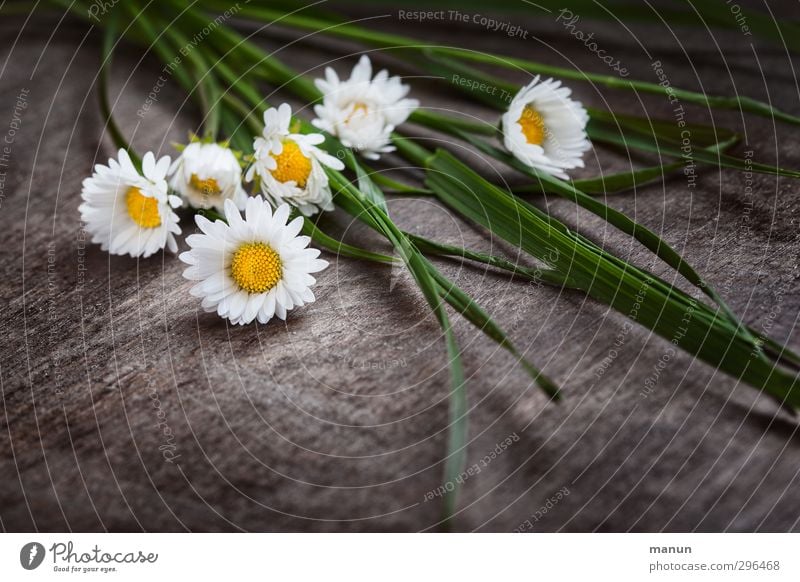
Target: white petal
x,y
148,164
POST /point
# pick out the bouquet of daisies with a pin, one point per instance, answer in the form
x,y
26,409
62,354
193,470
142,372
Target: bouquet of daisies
x,y
260,177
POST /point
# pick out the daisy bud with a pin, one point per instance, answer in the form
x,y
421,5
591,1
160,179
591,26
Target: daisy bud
x,y
207,174
363,111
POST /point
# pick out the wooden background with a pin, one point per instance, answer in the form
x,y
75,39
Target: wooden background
x,y
126,409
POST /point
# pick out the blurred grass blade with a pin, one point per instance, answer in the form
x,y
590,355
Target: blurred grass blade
x,y
264,12
458,427
106,56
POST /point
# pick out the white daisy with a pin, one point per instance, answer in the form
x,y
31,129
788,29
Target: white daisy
x,y
363,112
207,174
290,165
252,267
546,129
128,213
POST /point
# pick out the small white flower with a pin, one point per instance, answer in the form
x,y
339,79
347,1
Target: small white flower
x,y
207,174
128,213
290,165
254,267
545,129
363,112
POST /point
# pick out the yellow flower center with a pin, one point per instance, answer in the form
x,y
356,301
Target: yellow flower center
x,y
209,186
142,209
256,268
356,108
532,125
292,165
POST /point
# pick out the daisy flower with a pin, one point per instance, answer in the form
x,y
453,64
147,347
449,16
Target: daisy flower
x,y
207,174
545,129
363,112
129,213
290,165
254,267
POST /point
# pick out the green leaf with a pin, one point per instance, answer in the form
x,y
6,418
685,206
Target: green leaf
x,y
421,270
645,236
467,307
342,248
365,183
622,181
604,133
458,427
395,186
667,130
436,248
397,43
666,310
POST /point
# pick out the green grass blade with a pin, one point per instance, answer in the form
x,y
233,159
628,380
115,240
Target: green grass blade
x,y
394,42
395,186
440,249
623,181
645,236
365,183
342,248
467,307
605,133
420,270
662,308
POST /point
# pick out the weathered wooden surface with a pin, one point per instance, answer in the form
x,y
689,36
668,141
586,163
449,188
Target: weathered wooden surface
x,y
126,409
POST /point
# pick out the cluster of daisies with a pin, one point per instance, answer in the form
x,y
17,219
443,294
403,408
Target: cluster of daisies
x,y
255,264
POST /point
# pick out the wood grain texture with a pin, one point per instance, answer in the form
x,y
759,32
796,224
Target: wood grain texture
x,y
124,408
